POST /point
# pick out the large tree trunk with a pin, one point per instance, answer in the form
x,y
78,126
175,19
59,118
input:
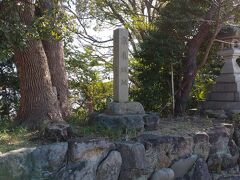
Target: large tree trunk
x,y
38,103
191,67
55,55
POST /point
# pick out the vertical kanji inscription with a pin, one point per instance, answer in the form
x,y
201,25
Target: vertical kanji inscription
x,y
120,65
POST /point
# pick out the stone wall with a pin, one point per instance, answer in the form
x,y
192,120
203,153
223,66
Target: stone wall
x,y
203,156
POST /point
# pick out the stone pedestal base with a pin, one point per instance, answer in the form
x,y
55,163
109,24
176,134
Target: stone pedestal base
x,y
130,108
221,105
121,122
137,122
127,116
220,109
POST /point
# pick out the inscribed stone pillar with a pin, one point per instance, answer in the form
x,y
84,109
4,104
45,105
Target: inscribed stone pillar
x,y
122,114
120,65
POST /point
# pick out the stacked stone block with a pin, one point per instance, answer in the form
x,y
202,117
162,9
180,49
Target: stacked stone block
x,y
225,93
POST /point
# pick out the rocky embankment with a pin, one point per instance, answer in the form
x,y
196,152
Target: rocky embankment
x,y
213,154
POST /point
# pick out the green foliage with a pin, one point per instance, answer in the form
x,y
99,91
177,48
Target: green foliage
x,y
206,77
54,23
180,19
86,129
88,90
164,34
12,31
166,45
97,130
99,93
162,49
81,127
12,34
14,137
152,71
9,91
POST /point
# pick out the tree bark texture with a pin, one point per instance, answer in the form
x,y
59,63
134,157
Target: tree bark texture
x,y
38,103
191,67
55,56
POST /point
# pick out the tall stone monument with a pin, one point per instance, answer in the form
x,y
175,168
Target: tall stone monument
x,y
120,66
225,94
121,104
122,113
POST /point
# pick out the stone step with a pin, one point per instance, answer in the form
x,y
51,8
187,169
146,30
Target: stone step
x,y
223,96
219,105
226,87
228,78
230,66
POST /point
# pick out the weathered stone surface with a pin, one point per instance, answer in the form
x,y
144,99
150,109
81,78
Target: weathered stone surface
x,y
110,168
48,159
120,65
82,171
230,74
236,135
228,96
201,145
226,87
125,108
234,111
201,171
229,128
226,173
57,131
124,122
162,150
224,152
227,161
234,151
135,174
236,177
214,163
85,156
16,164
134,163
216,114
216,105
33,163
182,166
163,174
90,150
219,138
230,65
151,121
226,78
99,159
133,155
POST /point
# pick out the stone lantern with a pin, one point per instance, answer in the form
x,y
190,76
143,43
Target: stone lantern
x,y
225,93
